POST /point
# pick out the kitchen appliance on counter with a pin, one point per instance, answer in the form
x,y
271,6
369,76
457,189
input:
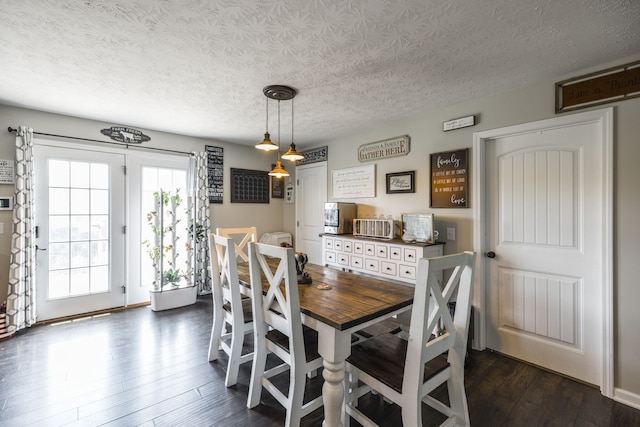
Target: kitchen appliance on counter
x,y
338,217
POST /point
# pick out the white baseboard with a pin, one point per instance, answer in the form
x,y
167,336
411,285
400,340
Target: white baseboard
x,y
626,397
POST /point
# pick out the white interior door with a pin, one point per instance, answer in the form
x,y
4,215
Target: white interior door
x,y
545,223
80,218
311,193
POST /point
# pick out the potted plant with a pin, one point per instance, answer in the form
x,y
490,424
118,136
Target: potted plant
x,y
172,286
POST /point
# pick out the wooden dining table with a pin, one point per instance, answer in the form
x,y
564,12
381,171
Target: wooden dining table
x,y
349,302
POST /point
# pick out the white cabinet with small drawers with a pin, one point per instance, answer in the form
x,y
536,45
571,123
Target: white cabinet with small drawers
x,y
392,259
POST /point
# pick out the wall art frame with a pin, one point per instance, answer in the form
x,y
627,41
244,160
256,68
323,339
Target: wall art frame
x,y
401,182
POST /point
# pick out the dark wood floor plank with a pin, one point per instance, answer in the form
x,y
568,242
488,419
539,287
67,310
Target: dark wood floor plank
x,y
142,368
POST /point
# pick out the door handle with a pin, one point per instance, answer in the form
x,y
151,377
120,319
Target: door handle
x,y
38,248
491,254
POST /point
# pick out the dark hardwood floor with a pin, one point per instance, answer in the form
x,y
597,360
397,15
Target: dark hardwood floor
x,y
139,368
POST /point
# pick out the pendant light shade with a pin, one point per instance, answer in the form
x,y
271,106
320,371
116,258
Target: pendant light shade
x,y
266,144
279,171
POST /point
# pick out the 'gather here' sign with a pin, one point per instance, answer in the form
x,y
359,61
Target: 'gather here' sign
x,y
392,147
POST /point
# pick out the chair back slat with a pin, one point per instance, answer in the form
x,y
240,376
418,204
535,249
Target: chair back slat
x,y
279,306
226,286
241,237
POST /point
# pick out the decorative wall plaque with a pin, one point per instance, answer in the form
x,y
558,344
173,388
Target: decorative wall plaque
x,y
320,154
460,123
392,147
354,182
449,179
7,171
215,171
610,85
125,134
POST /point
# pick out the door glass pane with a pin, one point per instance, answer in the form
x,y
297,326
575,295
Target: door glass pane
x,y
79,232
79,201
58,228
58,201
79,174
58,173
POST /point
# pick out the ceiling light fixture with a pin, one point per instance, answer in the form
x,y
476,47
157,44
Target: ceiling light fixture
x,y
266,144
292,155
280,93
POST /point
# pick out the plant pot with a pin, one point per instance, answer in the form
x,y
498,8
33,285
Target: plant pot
x,y
173,297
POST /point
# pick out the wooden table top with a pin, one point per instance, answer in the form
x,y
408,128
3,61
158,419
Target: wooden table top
x,y
352,300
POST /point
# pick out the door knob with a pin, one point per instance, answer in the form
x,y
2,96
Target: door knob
x,y
491,254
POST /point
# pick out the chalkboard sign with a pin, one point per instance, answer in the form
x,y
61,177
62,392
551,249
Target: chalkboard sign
x,y
249,186
215,158
449,179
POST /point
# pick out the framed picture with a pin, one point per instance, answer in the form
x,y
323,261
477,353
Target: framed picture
x,y
449,179
401,182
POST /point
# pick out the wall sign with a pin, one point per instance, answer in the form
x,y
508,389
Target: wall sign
x,y
215,172
125,134
352,183
313,156
462,122
249,186
610,85
7,172
277,186
392,147
449,179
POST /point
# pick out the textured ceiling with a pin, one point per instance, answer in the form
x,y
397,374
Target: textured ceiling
x,y
197,67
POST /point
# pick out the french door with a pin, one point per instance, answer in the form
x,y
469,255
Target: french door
x,y
80,218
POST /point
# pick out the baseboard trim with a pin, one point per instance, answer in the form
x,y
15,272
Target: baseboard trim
x,y
626,397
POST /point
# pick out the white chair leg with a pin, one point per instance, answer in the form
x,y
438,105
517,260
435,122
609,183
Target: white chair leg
x,y
216,331
234,357
412,412
458,401
296,394
257,371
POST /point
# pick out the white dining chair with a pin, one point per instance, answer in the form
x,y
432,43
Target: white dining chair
x,y
278,329
241,237
405,372
232,314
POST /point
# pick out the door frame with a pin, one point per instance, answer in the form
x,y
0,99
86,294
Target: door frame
x,y
605,118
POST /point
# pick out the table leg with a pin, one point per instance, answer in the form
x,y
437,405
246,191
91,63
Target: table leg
x,y
334,347
333,393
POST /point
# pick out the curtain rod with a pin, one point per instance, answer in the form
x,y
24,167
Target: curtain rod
x,y
10,129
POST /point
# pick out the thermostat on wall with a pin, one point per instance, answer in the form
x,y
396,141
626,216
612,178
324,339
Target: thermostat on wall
x,y
6,203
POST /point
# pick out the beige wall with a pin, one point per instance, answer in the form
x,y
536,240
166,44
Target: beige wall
x,y
266,217
529,104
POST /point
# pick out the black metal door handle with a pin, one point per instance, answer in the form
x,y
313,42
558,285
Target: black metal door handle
x,y
491,254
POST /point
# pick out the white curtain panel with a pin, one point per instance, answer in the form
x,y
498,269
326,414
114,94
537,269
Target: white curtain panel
x,y
21,295
198,179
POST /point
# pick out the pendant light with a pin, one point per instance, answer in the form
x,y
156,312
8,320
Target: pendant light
x,y
279,171
279,93
266,144
292,155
